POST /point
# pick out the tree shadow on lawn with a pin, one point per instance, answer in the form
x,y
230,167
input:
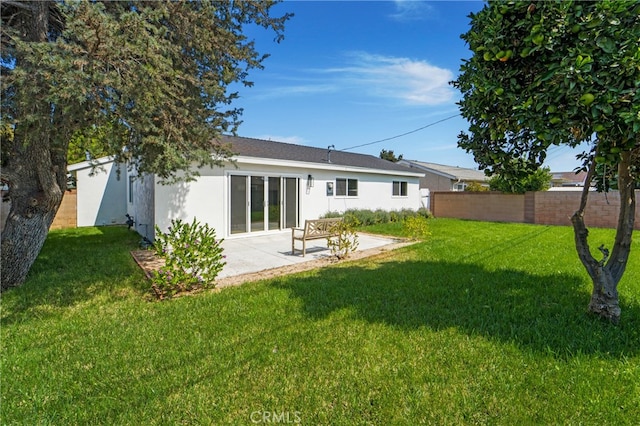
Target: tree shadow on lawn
x,y
73,268
545,313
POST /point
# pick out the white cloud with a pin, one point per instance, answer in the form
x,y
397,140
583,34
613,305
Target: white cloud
x,y
411,10
295,90
411,81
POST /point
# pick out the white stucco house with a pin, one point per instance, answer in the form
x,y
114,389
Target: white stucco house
x,y
101,192
272,186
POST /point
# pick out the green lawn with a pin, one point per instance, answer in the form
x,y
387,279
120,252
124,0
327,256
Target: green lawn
x,y
483,323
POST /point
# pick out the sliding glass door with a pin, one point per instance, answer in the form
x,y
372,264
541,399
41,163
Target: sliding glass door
x,y
291,206
260,203
238,204
257,203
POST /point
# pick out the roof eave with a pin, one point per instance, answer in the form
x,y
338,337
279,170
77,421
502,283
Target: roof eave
x,y
90,163
319,166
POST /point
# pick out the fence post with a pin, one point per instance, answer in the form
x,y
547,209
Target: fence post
x,y
530,207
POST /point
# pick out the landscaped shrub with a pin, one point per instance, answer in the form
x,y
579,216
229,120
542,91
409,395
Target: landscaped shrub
x,y
193,258
347,240
476,187
417,227
369,217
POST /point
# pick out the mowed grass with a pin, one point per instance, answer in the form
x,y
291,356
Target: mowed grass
x,y
484,323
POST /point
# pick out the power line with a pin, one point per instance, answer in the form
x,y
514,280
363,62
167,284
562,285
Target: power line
x,y
403,134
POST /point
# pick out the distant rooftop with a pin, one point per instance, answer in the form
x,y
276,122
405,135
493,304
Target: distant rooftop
x,y
452,172
568,178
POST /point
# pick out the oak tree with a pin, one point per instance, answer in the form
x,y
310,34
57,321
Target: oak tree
x,y
158,72
545,74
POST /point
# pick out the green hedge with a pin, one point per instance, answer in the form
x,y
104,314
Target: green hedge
x,y
366,217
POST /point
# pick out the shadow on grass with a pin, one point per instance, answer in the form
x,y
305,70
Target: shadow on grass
x,y
73,267
542,313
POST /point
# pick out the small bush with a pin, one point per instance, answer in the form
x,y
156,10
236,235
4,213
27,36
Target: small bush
x,y
347,239
193,258
417,227
476,187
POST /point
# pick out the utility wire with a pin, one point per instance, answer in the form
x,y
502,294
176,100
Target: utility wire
x,y
403,134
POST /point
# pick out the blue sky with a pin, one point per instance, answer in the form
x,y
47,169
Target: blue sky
x,y
349,73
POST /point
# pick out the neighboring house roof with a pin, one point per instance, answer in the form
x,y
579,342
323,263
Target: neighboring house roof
x,y
258,148
569,178
451,172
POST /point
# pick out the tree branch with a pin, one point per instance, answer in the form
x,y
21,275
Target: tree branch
x,y
18,4
622,245
580,231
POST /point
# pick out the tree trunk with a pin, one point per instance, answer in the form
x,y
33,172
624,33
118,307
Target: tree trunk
x,y
37,181
22,240
35,166
604,298
607,272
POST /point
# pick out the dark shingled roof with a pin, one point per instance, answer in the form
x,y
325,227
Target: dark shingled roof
x,y
286,151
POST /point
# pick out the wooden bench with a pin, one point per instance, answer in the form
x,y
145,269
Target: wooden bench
x,y
314,230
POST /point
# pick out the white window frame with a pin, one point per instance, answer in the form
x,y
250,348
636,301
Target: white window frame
x,y
459,186
347,187
130,188
400,188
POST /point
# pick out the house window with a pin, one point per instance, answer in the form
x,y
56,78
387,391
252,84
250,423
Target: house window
x,y
459,186
131,189
399,188
347,187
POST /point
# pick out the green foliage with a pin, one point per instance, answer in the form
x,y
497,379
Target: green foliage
x,y
6,137
417,227
367,217
556,73
193,258
476,187
161,70
390,156
605,175
95,142
550,73
346,241
160,73
539,180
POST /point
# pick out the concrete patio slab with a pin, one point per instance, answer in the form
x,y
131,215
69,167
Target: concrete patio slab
x,y
254,254
268,256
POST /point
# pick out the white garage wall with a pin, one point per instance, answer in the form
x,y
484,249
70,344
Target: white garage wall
x,y
102,194
140,202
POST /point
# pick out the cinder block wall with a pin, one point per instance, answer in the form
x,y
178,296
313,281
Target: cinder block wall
x,y
556,208
67,215
545,208
489,206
